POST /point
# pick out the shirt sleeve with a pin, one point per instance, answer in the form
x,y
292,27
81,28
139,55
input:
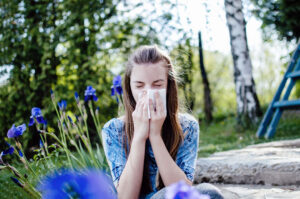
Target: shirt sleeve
x,y
187,152
113,148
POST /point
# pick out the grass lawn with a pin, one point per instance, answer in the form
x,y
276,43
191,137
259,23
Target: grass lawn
x,y
223,135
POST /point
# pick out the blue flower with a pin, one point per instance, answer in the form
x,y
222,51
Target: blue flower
x,y
20,153
90,94
37,114
77,184
52,94
45,124
70,119
62,105
41,144
9,151
16,131
117,86
15,180
76,97
181,190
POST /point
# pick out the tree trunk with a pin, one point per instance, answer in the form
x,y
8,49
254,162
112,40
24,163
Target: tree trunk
x,y
247,101
208,106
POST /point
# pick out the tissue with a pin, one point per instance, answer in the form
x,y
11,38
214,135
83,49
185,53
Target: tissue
x,y
163,96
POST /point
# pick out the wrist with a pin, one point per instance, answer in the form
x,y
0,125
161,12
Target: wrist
x,y
155,137
138,139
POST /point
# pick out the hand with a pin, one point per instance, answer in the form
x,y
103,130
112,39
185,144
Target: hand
x,y
140,119
158,116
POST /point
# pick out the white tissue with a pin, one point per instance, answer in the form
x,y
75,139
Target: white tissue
x,y
163,96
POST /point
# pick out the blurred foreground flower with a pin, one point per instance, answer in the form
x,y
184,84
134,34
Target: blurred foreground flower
x,y
181,190
16,131
77,184
90,94
36,113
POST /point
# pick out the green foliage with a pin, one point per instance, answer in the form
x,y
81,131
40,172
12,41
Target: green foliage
x,y
63,45
183,56
280,15
219,74
297,92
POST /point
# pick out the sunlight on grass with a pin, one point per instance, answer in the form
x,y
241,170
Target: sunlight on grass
x,y
223,135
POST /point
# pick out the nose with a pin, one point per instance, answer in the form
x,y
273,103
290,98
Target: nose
x,y
147,87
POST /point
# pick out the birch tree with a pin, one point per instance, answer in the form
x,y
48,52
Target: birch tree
x,y
247,102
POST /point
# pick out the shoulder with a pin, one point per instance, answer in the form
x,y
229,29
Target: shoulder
x,y
190,127
114,125
187,120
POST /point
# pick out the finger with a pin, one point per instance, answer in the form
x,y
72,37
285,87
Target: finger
x,y
140,101
151,108
143,107
138,107
145,110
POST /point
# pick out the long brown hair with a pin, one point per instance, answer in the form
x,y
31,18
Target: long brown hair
x,y
171,129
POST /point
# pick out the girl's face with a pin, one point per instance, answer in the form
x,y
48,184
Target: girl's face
x,y
148,76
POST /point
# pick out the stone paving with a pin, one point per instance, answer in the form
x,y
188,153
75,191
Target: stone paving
x,y
269,170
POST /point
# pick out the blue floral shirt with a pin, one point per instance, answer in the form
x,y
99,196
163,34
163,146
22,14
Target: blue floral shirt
x,y
186,156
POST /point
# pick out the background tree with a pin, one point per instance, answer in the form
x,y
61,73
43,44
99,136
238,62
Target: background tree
x,y
281,16
208,105
248,107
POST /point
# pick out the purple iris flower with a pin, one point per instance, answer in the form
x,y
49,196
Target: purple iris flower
x,y
76,96
37,114
52,94
45,124
90,94
62,105
17,182
117,86
181,190
77,184
41,144
70,119
16,131
20,153
9,151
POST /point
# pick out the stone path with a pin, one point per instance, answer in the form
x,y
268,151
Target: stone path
x,y
269,170
231,191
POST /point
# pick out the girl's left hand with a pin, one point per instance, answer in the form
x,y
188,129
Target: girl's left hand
x,y
158,116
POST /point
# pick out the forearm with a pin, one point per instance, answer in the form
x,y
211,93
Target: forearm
x,y
131,178
168,169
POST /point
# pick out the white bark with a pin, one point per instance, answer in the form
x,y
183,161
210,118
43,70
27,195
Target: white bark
x,y
247,102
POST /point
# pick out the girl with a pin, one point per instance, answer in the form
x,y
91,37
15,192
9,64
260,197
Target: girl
x,y
144,154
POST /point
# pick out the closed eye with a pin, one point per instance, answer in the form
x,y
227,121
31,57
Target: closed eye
x,y
154,85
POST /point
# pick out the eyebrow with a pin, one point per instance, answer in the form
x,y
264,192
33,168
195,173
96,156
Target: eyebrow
x,y
159,80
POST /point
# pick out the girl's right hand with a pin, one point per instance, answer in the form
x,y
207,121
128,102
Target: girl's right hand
x,y
140,118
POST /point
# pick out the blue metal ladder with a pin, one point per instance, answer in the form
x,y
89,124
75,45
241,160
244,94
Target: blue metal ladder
x,y
276,107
